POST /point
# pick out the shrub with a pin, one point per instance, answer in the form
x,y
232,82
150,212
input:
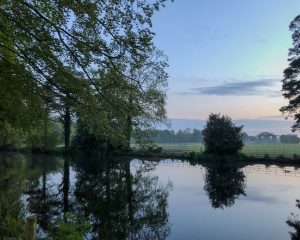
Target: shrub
x,y
10,138
221,136
38,140
69,227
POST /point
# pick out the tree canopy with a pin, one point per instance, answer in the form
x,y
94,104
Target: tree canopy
x,y
95,60
291,83
221,136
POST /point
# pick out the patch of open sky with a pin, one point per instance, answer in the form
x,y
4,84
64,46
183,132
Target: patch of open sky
x,y
217,43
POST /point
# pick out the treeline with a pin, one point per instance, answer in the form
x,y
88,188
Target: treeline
x,y
267,137
94,64
170,136
195,135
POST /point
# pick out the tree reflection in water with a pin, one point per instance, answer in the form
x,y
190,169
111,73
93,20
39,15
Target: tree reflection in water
x,y
224,183
123,203
43,196
12,176
294,222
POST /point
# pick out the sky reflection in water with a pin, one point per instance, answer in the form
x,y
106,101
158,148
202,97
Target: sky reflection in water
x,y
133,199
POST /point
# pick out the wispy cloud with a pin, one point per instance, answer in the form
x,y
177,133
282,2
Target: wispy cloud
x,y
280,117
261,41
242,88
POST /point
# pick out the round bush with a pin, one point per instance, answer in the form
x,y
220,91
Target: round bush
x,y
221,136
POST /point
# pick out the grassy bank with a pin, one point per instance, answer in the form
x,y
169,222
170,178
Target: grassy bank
x,y
255,150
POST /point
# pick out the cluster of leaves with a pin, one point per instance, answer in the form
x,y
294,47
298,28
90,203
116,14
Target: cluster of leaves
x,y
69,228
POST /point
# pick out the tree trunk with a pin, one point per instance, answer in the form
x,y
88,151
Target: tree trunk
x,y
129,125
46,123
67,127
128,132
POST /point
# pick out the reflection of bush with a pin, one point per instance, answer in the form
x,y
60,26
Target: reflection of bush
x,y
224,184
294,222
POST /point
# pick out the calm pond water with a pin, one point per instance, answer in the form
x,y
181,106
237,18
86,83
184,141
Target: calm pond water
x,y
165,199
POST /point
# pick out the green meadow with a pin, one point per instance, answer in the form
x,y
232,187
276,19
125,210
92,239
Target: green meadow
x,y
286,150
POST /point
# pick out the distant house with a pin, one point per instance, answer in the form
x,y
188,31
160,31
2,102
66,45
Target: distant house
x,y
266,137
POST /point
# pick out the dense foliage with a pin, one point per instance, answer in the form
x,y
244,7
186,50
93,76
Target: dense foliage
x,y
291,83
38,138
93,60
69,228
221,136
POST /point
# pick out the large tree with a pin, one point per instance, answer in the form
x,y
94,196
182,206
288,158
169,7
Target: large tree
x,y
58,48
291,80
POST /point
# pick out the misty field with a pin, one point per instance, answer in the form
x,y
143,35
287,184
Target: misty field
x,y
286,150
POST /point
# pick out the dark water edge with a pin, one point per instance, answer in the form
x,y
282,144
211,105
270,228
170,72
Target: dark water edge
x,y
130,198
154,155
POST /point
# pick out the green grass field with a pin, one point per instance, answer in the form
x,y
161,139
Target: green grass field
x,y
273,150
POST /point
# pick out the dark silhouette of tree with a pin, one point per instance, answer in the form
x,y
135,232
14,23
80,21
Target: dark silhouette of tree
x,y
224,184
221,136
291,83
294,222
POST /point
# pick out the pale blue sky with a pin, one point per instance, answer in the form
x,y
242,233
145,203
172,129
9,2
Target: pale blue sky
x,y
225,55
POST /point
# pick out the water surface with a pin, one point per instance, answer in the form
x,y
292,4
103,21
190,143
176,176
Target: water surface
x,y
162,199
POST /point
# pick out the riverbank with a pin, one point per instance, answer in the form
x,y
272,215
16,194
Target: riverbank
x,y
202,157
256,150
196,157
